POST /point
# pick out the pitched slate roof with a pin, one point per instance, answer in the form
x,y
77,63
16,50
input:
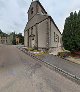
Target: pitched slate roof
x,y
54,23
41,6
49,16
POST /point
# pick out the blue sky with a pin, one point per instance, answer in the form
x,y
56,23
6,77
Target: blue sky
x,y
13,13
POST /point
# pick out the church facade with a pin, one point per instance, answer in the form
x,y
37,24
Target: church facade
x,y
41,31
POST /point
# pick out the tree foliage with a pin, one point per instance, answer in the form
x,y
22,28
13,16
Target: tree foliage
x,y
2,33
71,32
14,38
21,38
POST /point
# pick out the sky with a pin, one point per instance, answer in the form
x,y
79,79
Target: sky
x,y
13,13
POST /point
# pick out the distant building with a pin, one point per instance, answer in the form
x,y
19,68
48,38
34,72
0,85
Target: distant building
x,y
17,40
6,39
3,40
11,39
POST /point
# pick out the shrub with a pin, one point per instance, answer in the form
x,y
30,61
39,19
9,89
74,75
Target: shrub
x,y
63,54
30,49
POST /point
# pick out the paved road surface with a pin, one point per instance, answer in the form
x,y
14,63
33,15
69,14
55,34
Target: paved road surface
x,y
66,65
21,73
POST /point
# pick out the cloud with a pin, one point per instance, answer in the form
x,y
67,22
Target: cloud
x,y
13,13
60,9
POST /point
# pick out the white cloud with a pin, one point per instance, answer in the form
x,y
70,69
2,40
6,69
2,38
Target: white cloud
x,y
13,13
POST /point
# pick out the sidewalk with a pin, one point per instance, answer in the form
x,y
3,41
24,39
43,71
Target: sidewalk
x,y
66,65
74,60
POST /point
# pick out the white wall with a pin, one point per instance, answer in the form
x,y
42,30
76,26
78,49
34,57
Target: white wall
x,y
34,33
42,34
54,29
25,38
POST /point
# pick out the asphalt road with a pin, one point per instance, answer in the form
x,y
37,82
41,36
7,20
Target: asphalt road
x,y
66,65
21,73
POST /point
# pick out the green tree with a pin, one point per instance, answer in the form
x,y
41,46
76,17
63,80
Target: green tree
x,y
14,39
2,33
21,38
71,32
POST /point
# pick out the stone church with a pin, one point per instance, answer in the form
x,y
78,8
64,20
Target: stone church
x,y
41,31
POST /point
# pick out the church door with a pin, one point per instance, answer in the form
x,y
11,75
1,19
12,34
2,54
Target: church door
x,y
33,42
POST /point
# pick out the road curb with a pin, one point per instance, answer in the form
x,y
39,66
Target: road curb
x,y
51,66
